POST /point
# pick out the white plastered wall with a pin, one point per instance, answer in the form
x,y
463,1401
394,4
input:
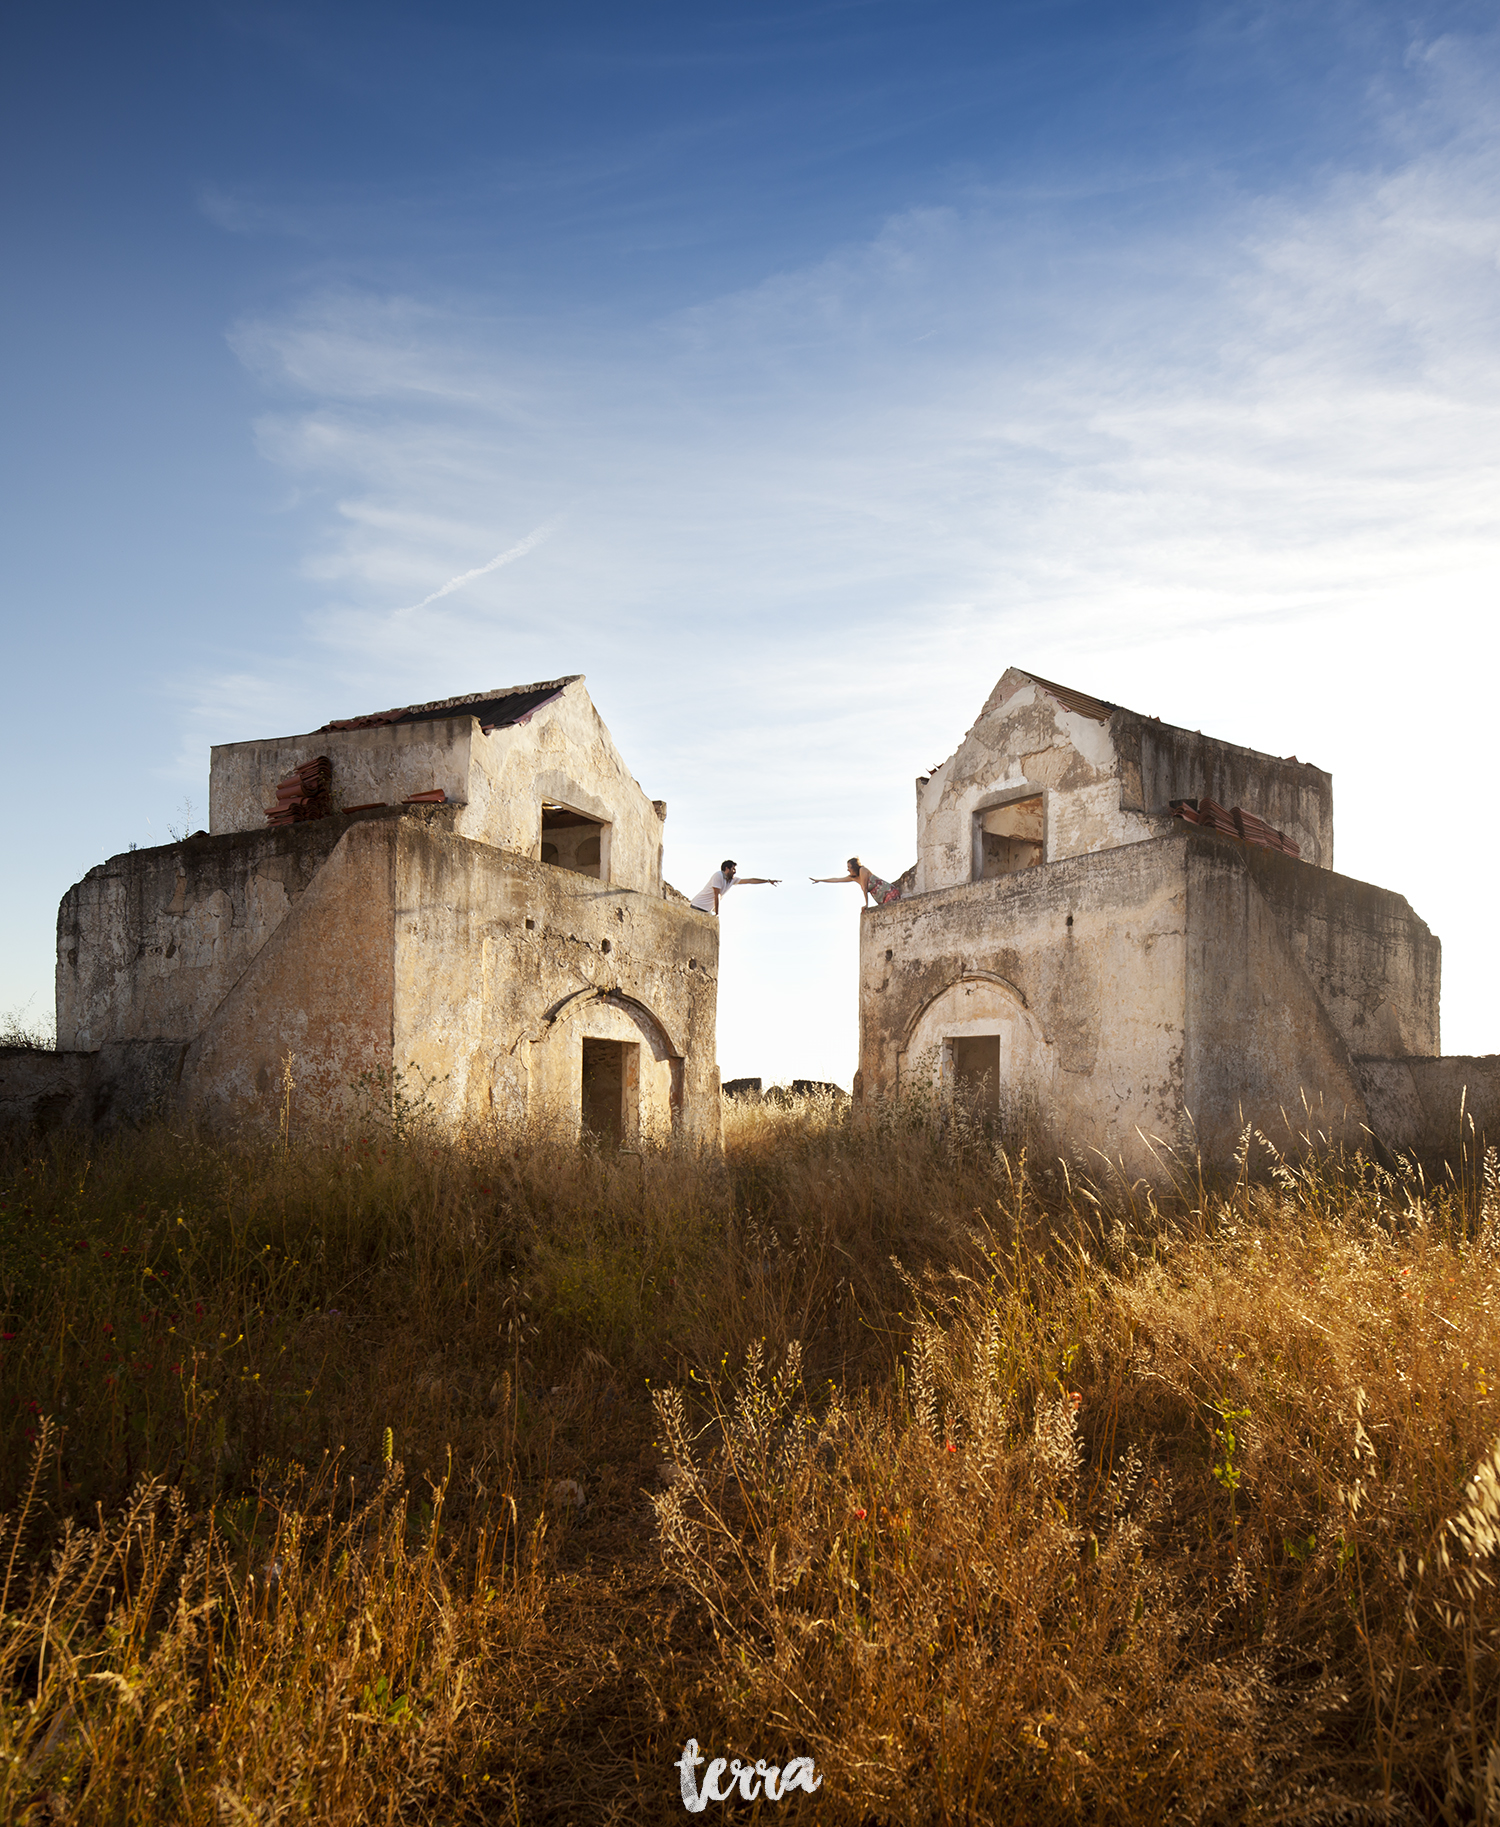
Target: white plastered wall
x,y
374,766
1024,743
563,754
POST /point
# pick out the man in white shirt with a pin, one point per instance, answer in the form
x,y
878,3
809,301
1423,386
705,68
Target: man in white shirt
x,y
722,880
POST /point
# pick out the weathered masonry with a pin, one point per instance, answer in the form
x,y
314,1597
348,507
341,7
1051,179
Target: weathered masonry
x,y
1131,935
468,892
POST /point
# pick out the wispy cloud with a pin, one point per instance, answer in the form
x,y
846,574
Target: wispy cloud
x,y
241,213
507,557
1227,469
1098,445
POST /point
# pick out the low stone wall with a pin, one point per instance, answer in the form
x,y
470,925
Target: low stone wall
x,y
122,1083
1425,1107
41,1089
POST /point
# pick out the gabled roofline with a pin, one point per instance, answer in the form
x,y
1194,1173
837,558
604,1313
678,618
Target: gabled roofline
x,y
1100,709
541,693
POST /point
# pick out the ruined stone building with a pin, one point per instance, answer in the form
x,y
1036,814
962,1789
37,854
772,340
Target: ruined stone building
x,y
1126,934
468,893
1130,934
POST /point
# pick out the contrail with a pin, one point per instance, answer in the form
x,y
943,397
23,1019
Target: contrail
x,y
528,544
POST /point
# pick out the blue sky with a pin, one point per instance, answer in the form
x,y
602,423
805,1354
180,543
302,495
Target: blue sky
x,y
824,360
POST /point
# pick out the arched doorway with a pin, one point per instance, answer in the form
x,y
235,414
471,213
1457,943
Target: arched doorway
x,y
606,1067
978,1036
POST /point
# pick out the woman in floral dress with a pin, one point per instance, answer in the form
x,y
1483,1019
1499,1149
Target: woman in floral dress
x,y
881,892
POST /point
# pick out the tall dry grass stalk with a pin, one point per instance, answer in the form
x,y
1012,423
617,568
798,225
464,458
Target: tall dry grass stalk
x,y
402,1478
300,1653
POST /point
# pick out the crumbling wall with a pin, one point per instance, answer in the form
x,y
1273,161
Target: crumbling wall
x,y
1174,989
1292,796
1025,741
370,766
1261,1048
150,942
429,940
1081,964
41,1090
1108,776
1375,964
496,783
316,999
505,965
475,974
566,755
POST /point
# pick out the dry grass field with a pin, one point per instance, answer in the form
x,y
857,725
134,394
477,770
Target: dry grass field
x,y
393,1479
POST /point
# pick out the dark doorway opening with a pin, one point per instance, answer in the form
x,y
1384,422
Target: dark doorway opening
x,y
611,1081
976,1068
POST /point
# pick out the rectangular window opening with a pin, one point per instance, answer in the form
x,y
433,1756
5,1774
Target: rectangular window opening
x,y
976,1068
1011,837
611,1091
573,840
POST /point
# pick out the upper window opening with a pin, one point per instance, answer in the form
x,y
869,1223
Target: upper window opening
x,y
1011,837
573,840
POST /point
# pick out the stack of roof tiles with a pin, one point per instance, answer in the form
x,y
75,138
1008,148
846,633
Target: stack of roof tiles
x,y
303,794
1234,821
